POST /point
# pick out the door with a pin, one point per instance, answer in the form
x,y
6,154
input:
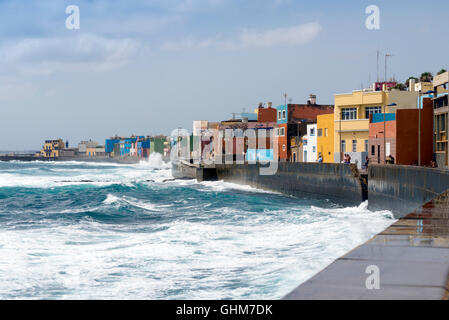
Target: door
x,y
378,153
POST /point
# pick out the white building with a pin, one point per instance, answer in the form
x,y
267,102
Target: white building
x,y
310,144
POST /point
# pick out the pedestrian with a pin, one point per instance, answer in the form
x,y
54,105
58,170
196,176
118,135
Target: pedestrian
x,y
366,162
433,164
320,159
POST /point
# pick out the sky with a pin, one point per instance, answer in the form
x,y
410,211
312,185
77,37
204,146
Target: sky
x,y
148,67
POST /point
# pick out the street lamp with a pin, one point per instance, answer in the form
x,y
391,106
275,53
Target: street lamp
x,y
420,105
385,132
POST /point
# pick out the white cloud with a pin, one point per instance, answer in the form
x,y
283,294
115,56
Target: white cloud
x,y
249,38
42,56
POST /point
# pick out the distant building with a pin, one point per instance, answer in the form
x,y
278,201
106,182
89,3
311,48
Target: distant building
x,y
134,146
267,114
401,138
292,120
296,149
382,86
52,148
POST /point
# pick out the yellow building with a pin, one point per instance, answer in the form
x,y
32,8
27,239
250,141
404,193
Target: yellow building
x,y
51,148
351,118
325,138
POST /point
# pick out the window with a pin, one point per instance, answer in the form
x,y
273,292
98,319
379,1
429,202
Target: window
x,y
372,110
283,114
305,156
326,132
314,149
320,132
354,145
373,150
366,145
283,147
282,132
349,113
279,115
277,132
312,132
343,146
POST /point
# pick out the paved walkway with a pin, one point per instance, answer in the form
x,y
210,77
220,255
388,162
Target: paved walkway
x,y
412,257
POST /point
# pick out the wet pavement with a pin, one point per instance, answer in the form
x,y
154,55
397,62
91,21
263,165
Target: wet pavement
x,y
412,257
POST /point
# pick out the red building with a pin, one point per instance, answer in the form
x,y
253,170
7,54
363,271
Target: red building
x,y
401,140
266,114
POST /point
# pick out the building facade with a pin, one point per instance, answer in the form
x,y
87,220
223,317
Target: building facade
x,y
267,114
52,148
401,136
292,121
441,120
310,144
351,118
325,137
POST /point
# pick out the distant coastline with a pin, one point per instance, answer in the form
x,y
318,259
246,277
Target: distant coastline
x,y
28,158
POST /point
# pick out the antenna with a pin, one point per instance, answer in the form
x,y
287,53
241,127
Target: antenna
x,y
377,64
386,56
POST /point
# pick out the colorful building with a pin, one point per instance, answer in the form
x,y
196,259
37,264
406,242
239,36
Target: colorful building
x,y
441,119
351,118
325,137
267,114
296,149
310,144
52,148
401,138
134,146
292,120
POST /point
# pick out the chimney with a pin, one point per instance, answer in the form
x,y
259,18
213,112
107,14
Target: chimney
x,y
312,99
269,104
411,85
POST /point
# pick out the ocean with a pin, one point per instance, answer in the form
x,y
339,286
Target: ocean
x,y
74,230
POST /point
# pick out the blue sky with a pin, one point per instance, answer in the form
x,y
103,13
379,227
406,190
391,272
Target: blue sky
x,y
147,67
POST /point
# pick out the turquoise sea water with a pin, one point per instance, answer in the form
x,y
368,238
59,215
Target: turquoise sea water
x,y
72,230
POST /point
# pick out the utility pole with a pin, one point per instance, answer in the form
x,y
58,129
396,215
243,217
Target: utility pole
x,y
385,138
341,113
419,127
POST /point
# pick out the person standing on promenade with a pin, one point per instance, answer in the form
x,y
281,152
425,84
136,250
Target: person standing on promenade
x,y
365,166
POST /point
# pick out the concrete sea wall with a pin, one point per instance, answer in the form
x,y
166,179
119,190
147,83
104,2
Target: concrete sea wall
x,y
341,183
402,189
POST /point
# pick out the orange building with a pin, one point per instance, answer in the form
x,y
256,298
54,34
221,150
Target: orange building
x,y
292,120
